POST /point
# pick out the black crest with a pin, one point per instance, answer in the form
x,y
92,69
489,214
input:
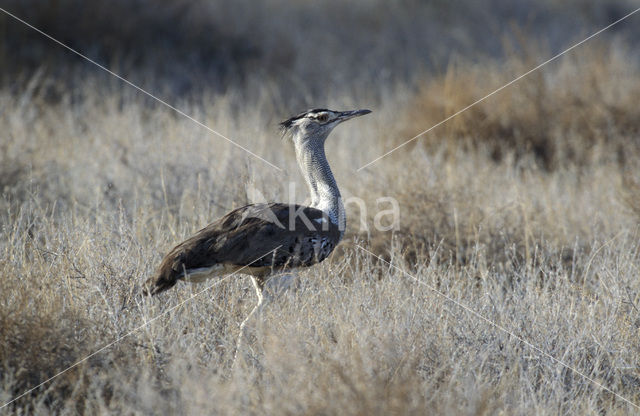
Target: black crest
x,y
286,125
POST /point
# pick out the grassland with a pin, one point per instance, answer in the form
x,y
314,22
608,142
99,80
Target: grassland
x,y
525,209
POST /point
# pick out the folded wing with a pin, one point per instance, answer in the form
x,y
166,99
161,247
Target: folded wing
x,y
258,239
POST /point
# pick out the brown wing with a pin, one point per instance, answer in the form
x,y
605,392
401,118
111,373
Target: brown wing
x,y
263,237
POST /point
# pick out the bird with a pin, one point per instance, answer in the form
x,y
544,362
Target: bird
x,y
267,239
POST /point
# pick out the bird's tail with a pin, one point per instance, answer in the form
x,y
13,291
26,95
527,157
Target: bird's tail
x,y
158,284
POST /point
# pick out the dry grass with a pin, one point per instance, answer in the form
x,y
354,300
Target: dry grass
x,y
523,209
577,111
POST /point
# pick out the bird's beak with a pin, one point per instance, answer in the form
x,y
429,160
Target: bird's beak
x,y
346,115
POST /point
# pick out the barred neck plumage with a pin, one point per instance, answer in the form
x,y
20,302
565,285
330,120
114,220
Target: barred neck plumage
x,y
309,131
325,194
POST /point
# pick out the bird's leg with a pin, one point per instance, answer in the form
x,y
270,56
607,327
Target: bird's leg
x,y
279,284
259,286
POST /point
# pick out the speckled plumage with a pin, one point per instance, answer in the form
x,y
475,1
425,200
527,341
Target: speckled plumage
x,y
236,240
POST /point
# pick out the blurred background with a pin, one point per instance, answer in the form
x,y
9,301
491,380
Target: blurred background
x,y
302,51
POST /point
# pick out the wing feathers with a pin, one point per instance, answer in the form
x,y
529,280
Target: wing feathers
x,y
243,237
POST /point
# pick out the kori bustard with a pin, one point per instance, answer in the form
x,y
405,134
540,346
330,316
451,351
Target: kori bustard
x,y
263,240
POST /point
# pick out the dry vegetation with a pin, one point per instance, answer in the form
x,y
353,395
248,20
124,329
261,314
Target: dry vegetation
x,y
525,209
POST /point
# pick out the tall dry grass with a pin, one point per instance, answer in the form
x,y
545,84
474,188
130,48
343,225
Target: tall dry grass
x,y
522,209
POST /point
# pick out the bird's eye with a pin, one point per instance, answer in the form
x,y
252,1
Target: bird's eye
x,y
323,117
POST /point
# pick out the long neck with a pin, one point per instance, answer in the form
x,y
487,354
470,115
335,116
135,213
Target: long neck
x,y
322,185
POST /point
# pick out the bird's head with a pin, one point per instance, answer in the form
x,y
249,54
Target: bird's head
x,y
316,124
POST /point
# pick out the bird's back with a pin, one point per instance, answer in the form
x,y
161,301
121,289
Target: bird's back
x,y
258,239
